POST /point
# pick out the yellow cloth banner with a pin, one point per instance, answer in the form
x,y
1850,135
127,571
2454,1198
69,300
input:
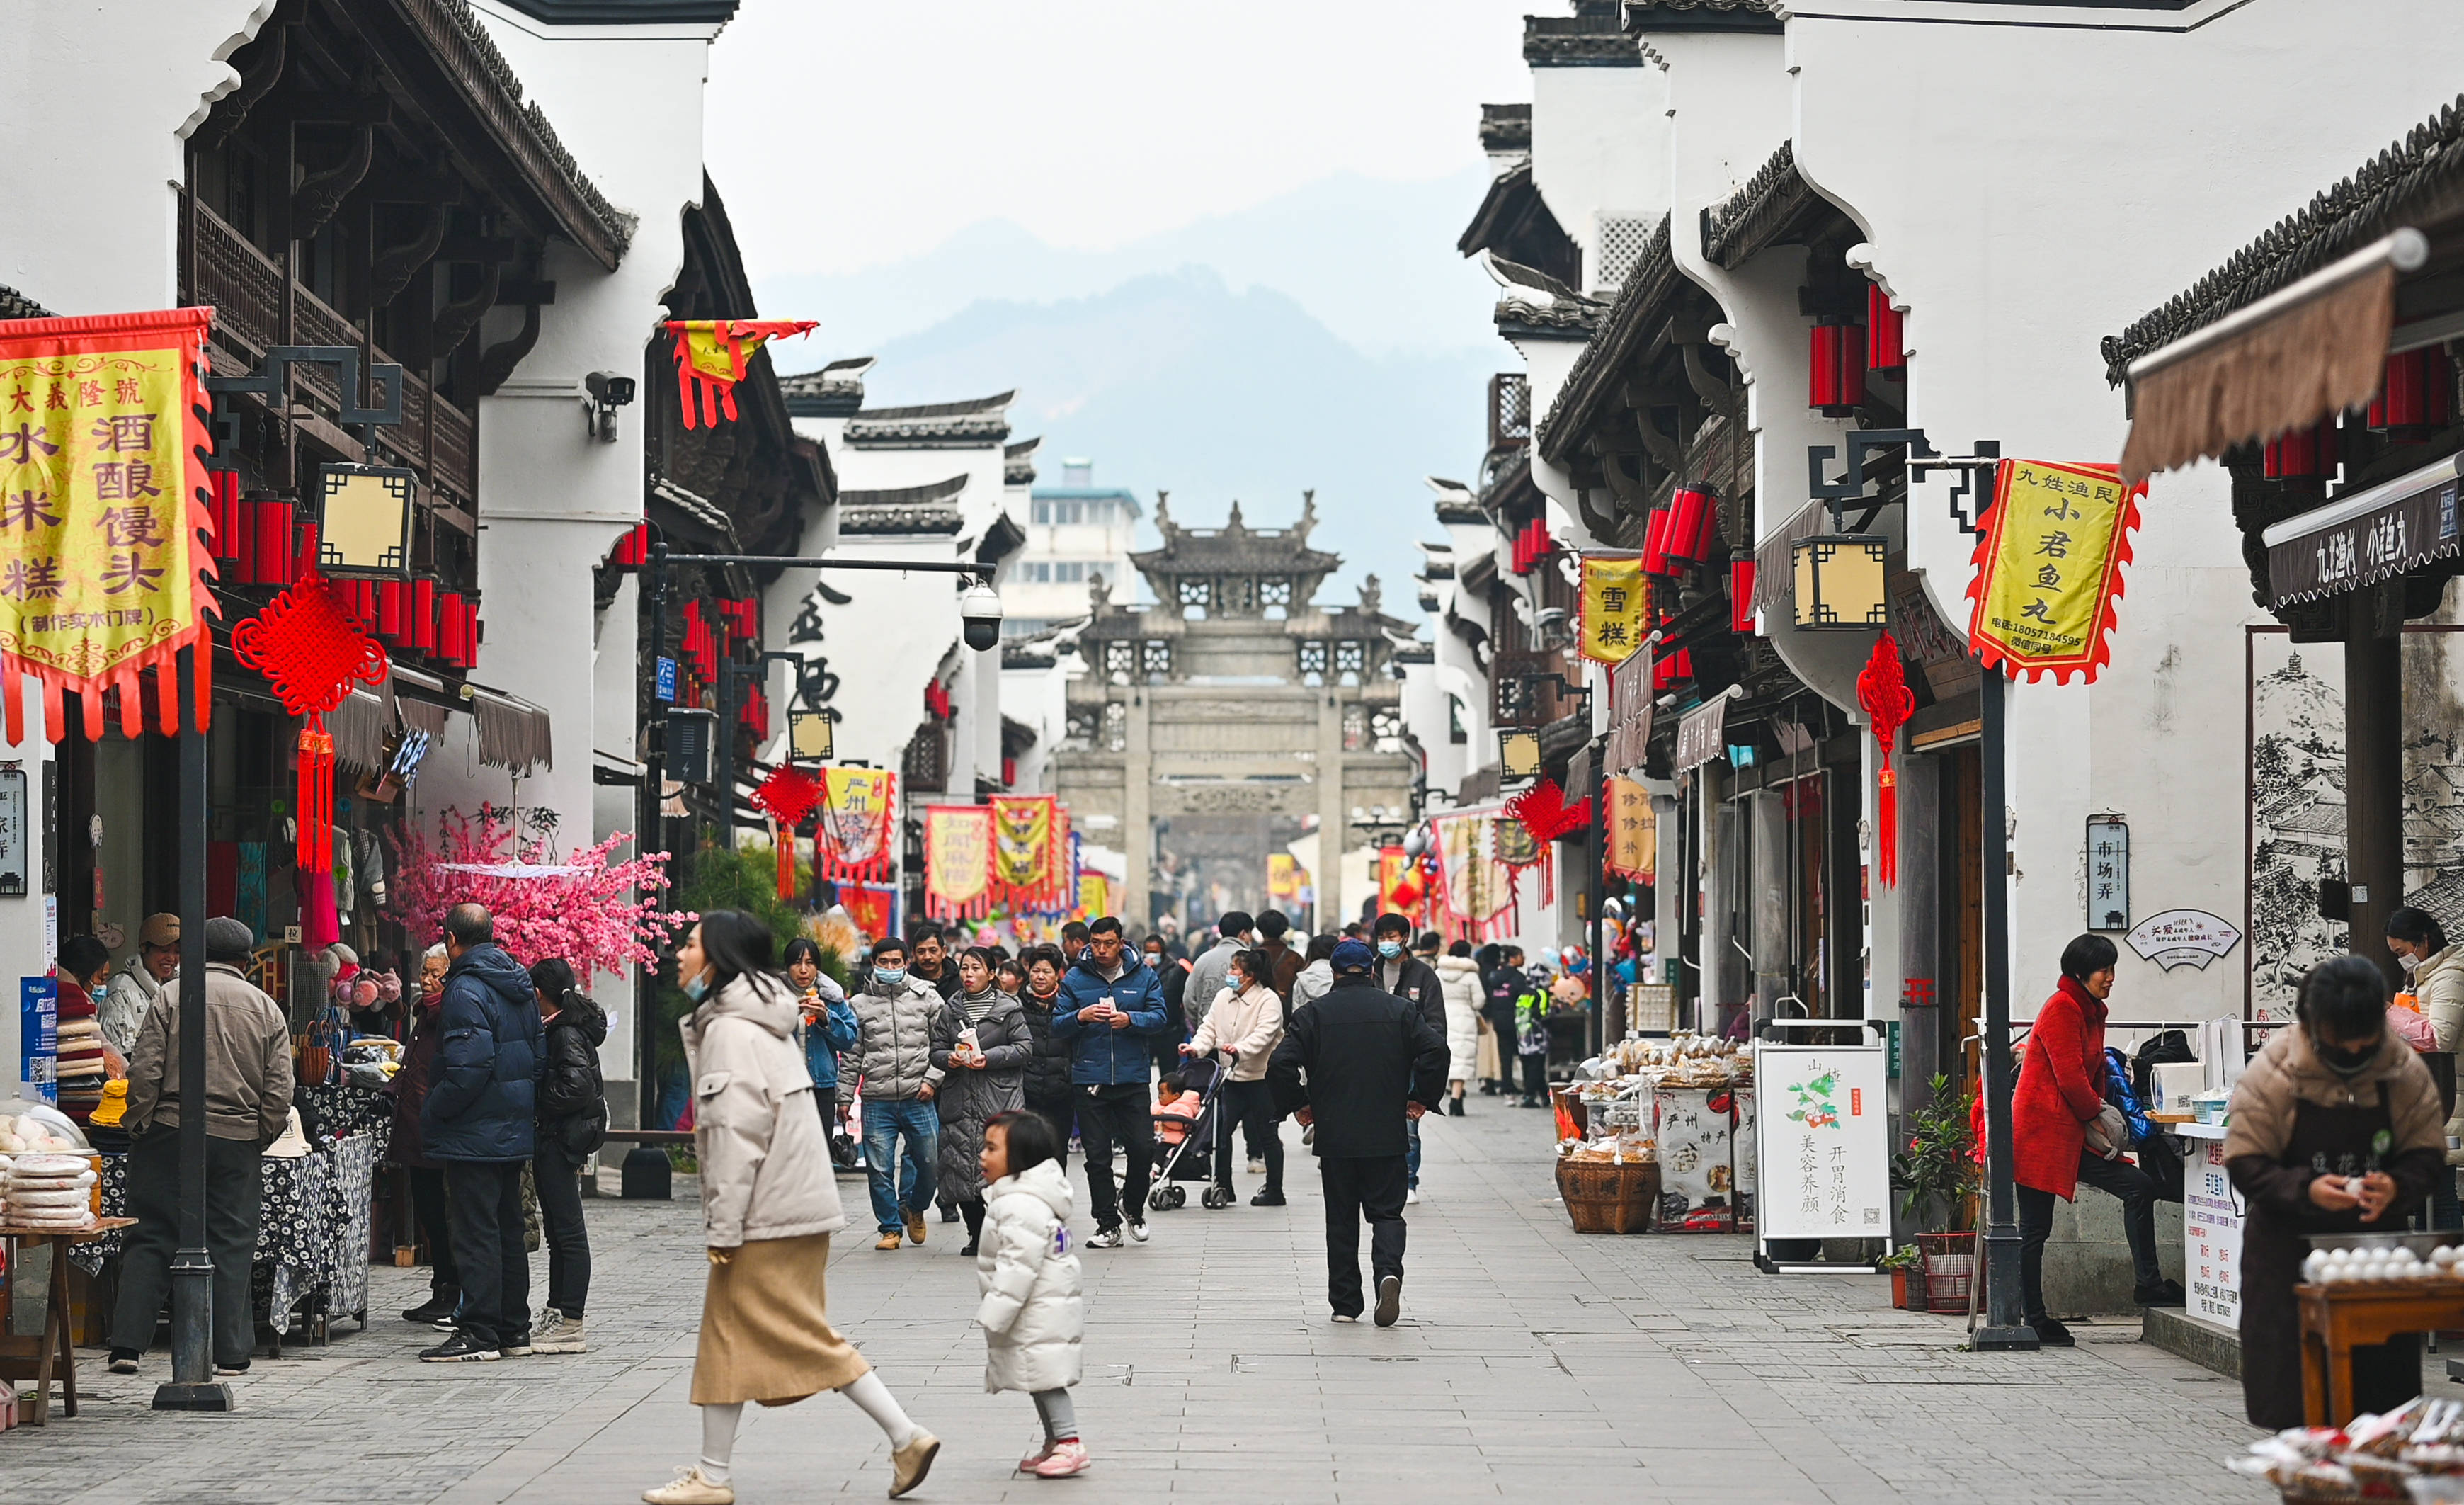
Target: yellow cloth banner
x,y
958,861
858,813
1094,895
1022,840
1616,609
100,503
2048,569
1284,876
1633,830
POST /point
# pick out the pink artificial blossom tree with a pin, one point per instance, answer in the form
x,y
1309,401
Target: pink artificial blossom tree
x,y
598,917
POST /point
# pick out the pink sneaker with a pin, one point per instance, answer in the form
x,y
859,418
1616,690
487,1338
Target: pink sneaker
x,y
1066,1459
1027,1463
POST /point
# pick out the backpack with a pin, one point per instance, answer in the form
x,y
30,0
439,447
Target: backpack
x,y
2162,1048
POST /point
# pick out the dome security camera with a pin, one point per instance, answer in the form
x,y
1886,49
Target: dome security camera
x,y
979,611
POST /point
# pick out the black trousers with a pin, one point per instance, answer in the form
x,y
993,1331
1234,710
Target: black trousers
x,y
487,1198
234,1198
1253,1107
561,1227
1368,1187
428,1201
1061,1113
1536,1075
2137,1190
1121,1113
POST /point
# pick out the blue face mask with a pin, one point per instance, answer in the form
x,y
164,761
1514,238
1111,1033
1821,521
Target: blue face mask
x,y
889,976
1390,949
697,986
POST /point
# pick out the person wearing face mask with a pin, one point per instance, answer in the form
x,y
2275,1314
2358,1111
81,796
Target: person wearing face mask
x,y
2435,971
2334,1128
1047,1064
1414,981
2059,1097
892,1062
426,1176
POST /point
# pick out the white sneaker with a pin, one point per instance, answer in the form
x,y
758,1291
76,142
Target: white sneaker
x,y
1257,1167
691,1489
1138,1231
1110,1238
1411,1196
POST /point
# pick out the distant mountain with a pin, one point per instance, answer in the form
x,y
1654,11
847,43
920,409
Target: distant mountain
x,y
1373,261
1178,381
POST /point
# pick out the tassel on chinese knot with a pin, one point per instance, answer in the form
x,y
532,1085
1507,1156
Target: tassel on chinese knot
x,y
1883,691
316,802
783,842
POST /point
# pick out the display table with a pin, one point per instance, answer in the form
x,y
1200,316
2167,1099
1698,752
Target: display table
x,y
2337,1320
33,1358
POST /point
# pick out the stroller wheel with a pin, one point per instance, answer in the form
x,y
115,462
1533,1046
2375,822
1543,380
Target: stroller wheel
x,y
1179,1196
1214,1198
1156,1199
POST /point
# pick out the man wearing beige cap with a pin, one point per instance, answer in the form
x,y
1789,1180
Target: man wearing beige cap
x,y
121,1008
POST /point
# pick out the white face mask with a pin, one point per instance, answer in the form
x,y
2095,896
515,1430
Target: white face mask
x,y
2410,962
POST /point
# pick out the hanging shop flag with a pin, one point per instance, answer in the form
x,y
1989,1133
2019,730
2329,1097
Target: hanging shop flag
x,y
310,654
1286,878
1094,895
851,841
1616,608
958,861
1633,830
871,908
1029,867
2048,569
102,494
1883,691
711,356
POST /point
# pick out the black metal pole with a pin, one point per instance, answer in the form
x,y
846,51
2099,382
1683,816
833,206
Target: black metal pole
x,y
192,1386
722,752
2003,1328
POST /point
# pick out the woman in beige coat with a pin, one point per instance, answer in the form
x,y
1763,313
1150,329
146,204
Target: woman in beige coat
x,y
1247,1019
769,1205
2436,973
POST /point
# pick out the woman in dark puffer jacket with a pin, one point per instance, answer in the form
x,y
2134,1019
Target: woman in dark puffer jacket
x,y
1047,1068
572,1124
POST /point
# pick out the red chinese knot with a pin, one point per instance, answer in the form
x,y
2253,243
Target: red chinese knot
x,y
1883,692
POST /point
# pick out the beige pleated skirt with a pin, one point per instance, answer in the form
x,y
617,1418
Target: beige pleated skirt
x,y
765,1328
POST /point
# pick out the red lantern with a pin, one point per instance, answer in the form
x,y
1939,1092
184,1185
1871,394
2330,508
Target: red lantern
x,y
1692,524
1741,596
634,549
272,543
470,632
1655,542
423,616
1836,379
449,626
393,602
1886,335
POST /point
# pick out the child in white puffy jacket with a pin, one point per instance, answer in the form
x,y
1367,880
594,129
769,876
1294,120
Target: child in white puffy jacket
x,y
1033,1312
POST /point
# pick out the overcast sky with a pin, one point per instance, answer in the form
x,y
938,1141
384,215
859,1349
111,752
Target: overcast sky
x,y
846,135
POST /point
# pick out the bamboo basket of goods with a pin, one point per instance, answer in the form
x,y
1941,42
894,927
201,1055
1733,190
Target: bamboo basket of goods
x,y
1605,1195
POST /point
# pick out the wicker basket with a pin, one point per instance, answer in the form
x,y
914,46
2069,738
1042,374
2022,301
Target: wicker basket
x,y
1605,1197
1951,1261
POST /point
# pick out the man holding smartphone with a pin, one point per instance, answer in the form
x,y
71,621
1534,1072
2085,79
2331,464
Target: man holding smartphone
x,y
1109,1012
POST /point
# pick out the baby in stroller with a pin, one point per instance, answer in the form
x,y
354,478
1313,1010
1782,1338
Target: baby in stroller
x,y
1185,1126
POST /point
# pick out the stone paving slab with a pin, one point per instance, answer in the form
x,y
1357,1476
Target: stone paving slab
x,y
1531,1364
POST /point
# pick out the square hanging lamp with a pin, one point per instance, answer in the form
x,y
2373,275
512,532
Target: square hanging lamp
x,y
1839,582
363,517
808,735
1518,754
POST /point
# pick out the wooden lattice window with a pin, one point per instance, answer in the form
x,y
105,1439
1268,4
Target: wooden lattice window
x,y
927,763
1156,659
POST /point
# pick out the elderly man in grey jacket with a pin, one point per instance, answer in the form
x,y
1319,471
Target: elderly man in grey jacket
x,y
247,1102
892,1059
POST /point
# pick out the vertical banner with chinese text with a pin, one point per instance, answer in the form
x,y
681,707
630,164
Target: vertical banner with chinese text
x,y
1616,608
958,861
1030,856
2048,569
102,497
1633,830
858,811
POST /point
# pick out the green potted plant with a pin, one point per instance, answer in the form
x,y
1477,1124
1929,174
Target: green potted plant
x,y
1907,1266
1938,1176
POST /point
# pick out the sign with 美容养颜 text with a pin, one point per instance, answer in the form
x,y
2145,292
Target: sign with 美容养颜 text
x,y
1823,1163
2048,569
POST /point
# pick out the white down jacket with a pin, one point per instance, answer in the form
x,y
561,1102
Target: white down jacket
x,y
1032,1310
765,1159
1459,979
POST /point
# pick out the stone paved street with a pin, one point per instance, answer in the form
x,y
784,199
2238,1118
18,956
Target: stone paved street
x,y
1531,1364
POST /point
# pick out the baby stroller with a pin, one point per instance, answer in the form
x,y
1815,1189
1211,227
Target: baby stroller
x,y
1192,1158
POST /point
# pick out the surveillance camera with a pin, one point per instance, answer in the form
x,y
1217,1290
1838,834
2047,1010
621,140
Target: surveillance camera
x,y
1548,616
980,609
608,389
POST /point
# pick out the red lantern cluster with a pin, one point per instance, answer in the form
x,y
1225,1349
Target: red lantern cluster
x,y
755,712
1836,378
1886,335
743,619
1682,533
253,538
2417,392
1532,545
700,644
634,549
2303,454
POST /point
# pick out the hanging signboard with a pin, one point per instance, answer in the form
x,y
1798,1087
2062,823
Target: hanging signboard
x,y
2360,540
13,831
1616,608
1701,734
1822,1144
2048,569
38,1026
2183,937
1633,835
1630,699
2108,873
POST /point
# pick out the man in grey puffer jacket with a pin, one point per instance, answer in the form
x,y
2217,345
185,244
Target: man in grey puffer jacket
x,y
892,1061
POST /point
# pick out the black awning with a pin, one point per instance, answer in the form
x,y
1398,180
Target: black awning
x,y
2372,536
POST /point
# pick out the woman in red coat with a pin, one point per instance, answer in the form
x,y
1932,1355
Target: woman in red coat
x,y
2060,1093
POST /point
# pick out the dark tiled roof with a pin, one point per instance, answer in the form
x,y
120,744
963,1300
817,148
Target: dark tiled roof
x,y
975,423
462,26
874,520
1645,16
1505,127
14,305
2417,181
834,391
906,496
1467,513
627,12
1510,194
1018,462
1625,326
1737,229
1592,39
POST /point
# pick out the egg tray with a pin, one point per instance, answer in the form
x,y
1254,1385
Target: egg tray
x,y
2439,1283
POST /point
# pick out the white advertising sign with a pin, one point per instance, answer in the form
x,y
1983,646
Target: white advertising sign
x,y
1823,1166
2189,937
2211,1238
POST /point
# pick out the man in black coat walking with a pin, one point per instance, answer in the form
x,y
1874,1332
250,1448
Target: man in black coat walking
x,y
1357,1065
479,1118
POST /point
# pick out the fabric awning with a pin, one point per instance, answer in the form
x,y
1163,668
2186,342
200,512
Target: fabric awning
x,y
512,732
361,725
1702,734
1775,562
1630,701
2289,360
2376,535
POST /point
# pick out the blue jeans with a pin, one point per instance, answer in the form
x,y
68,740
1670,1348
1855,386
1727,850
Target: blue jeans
x,y
1412,1159
884,1123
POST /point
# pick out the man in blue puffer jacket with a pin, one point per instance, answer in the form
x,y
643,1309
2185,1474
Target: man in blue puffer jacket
x,y
482,1099
1110,1011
